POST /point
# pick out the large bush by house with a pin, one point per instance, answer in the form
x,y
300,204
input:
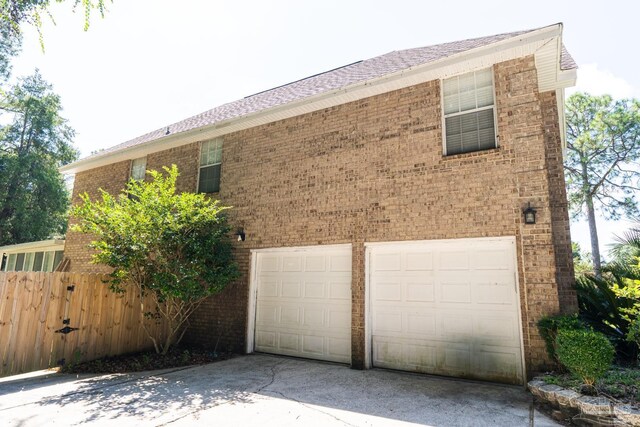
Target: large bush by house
x,y
175,247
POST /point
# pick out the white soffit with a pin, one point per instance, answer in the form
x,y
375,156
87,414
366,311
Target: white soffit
x,y
544,42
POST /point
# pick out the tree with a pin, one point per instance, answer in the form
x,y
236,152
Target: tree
x,y
581,260
34,143
174,247
14,13
601,168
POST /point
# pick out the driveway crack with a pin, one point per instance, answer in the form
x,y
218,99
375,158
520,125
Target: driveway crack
x,y
311,407
195,411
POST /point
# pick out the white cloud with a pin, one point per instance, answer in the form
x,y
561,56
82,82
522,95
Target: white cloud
x,y
596,81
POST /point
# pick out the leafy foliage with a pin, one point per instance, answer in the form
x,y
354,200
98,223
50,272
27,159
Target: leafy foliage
x,y
34,143
549,327
603,149
587,354
581,260
611,302
172,246
14,13
603,309
634,334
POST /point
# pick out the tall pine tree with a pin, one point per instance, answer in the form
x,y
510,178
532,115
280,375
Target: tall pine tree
x,y
35,141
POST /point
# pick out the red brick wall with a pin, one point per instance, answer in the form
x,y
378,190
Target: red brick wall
x,y
373,170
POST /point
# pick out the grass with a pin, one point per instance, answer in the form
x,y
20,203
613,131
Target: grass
x,y
619,383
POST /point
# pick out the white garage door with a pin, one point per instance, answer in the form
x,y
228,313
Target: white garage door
x,y
446,307
303,303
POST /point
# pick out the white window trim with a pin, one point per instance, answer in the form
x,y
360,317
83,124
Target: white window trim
x,y
206,166
48,258
444,116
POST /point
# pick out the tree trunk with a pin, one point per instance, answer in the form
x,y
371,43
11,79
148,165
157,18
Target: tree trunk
x,y
593,231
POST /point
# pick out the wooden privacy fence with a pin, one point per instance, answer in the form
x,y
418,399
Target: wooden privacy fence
x,y
49,319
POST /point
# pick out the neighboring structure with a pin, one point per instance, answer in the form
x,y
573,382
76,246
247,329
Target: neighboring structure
x,y
44,255
382,204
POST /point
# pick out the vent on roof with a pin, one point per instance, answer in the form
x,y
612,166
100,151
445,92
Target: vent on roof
x,y
305,78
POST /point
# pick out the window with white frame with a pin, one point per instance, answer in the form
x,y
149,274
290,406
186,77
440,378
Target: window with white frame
x,y
469,112
210,166
139,168
33,261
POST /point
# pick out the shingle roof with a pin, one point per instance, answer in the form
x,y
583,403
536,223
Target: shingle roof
x,y
566,60
328,81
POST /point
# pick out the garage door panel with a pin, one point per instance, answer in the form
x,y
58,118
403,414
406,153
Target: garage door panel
x,y
457,326
266,340
453,260
314,290
339,349
420,291
291,289
388,321
499,328
313,345
340,290
269,263
303,303
421,324
314,263
498,363
314,317
456,315
492,260
292,263
339,319
387,262
497,292
455,292
268,288
388,291
289,316
267,313
340,263
455,359
419,261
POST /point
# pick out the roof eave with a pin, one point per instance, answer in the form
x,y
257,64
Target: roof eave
x,y
393,81
31,245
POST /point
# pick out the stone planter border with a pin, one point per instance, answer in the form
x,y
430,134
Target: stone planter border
x,y
582,409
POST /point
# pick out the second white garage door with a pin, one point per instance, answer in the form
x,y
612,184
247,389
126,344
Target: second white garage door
x,y
303,302
447,307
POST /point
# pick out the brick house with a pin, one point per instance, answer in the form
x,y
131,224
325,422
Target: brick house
x,y
382,207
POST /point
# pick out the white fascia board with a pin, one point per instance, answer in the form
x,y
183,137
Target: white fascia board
x,y
562,121
481,57
33,246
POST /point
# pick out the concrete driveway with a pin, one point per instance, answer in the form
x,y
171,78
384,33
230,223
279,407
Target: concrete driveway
x,y
266,391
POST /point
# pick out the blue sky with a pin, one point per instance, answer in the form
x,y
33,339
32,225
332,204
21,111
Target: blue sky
x,y
153,62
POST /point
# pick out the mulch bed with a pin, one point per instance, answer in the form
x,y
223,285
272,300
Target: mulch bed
x,y
146,361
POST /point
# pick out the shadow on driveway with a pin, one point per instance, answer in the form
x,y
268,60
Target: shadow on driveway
x,y
267,391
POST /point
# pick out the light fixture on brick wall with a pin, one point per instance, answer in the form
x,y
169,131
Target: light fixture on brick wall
x,y
240,234
529,214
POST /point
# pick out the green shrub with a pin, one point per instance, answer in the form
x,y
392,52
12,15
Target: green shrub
x,y
634,335
587,354
549,327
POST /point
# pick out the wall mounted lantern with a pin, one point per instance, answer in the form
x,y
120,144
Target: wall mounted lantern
x,y
241,235
529,214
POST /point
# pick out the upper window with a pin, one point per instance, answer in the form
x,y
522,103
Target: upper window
x,y
469,112
210,166
139,168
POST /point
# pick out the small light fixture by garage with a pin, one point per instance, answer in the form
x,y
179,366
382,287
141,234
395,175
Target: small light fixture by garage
x,y
240,234
529,214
